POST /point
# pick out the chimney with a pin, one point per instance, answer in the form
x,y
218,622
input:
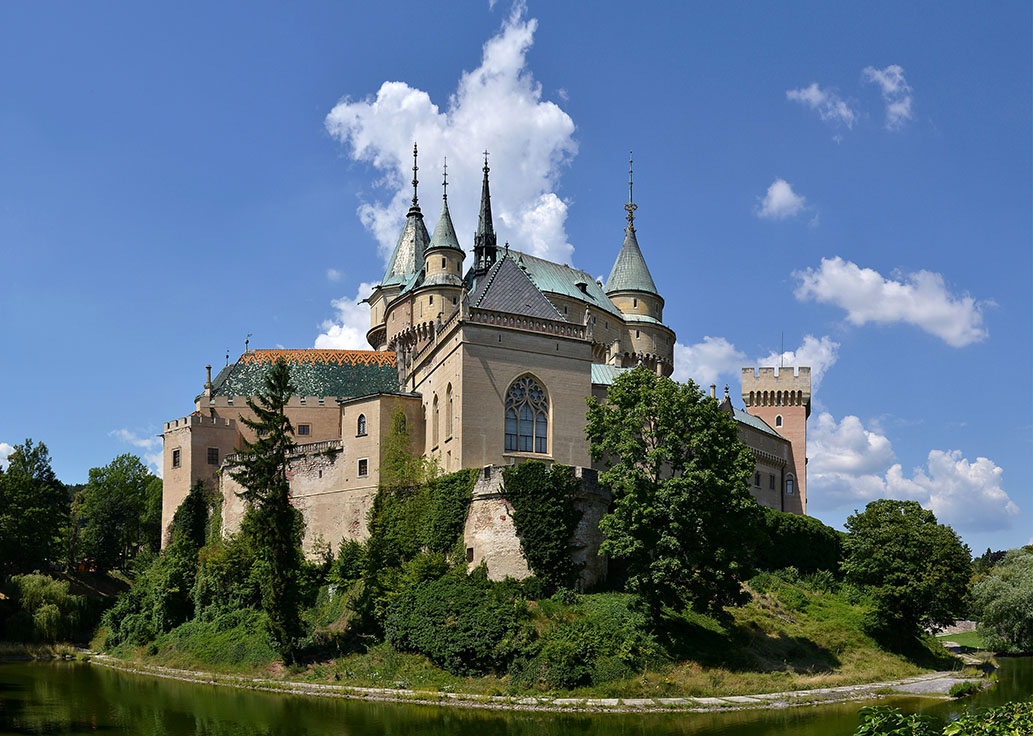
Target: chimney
x,y
713,390
208,379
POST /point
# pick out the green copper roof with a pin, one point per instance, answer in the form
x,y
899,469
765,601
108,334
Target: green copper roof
x,y
444,232
324,373
744,417
630,272
558,278
605,375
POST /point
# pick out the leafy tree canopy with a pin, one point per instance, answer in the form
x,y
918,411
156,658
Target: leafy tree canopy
x,y
33,509
110,511
683,520
918,570
1004,602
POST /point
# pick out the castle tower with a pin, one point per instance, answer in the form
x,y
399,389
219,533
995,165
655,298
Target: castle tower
x,y
631,289
405,263
784,402
442,286
485,250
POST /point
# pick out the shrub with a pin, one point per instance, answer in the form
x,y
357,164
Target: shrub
x,y
963,689
1004,720
457,622
1005,599
883,720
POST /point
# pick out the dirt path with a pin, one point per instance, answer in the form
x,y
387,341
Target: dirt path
x,y
934,685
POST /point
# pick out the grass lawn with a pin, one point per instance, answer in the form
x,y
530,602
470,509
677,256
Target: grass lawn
x,y
967,639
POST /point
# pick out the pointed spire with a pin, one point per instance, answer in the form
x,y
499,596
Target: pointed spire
x,y
444,232
407,258
631,206
485,251
630,272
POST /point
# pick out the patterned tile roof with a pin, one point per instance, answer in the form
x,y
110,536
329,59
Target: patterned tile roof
x,y
324,373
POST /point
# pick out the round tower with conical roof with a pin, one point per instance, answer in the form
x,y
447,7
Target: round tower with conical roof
x,y
631,289
442,287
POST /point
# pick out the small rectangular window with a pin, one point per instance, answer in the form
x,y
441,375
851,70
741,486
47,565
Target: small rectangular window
x,y
453,301
176,458
213,455
636,333
431,299
443,263
771,482
756,479
363,467
469,554
304,429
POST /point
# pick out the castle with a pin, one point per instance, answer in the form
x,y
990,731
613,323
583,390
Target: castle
x,y
491,367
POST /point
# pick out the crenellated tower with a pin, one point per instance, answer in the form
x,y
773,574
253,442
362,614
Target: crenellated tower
x,y
783,400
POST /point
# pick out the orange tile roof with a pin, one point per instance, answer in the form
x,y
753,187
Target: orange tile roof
x,y
324,357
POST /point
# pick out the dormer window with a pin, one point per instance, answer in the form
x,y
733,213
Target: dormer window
x,y
582,286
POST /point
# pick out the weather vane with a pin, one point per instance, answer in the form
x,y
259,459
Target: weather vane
x,y
631,206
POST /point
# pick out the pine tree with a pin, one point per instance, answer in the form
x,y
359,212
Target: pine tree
x,y
271,524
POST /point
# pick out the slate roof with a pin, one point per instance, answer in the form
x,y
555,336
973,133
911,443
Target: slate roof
x,y
559,278
745,417
605,375
630,272
508,288
323,373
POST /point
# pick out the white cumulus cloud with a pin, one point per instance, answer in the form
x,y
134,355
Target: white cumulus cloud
x,y
780,202
830,107
705,362
347,330
818,353
150,447
5,451
921,299
896,93
851,465
332,274
716,357
498,106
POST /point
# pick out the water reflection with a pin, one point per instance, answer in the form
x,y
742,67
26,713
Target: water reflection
x,y
72,698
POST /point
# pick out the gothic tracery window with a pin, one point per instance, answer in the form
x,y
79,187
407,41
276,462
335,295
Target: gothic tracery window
x,y
527,417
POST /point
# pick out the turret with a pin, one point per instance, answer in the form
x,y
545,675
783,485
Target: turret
x,y
485,250
630,285
442,282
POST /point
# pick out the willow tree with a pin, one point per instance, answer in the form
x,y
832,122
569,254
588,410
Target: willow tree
x,y
271,525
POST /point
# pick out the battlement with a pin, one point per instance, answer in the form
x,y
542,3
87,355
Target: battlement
x,y
788,387
196,419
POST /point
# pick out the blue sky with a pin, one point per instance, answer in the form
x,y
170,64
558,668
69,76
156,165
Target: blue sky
x,y
857,178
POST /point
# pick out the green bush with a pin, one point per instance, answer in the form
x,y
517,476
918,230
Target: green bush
x,y
883,720
1009,719
963,689
457,622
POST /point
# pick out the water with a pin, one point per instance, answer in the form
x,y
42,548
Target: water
x,y
74,698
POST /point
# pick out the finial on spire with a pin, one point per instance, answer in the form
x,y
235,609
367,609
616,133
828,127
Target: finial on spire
x,y
631,206
444,179
415,181
486,169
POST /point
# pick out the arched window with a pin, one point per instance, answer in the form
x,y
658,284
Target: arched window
x,y
778,420
360,425
789,485
527,417
434,418
448,411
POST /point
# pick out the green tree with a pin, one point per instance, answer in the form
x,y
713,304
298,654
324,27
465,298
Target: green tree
x,y
1004,602
110,510
917,569
683,520
150,520
272,525
34,508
